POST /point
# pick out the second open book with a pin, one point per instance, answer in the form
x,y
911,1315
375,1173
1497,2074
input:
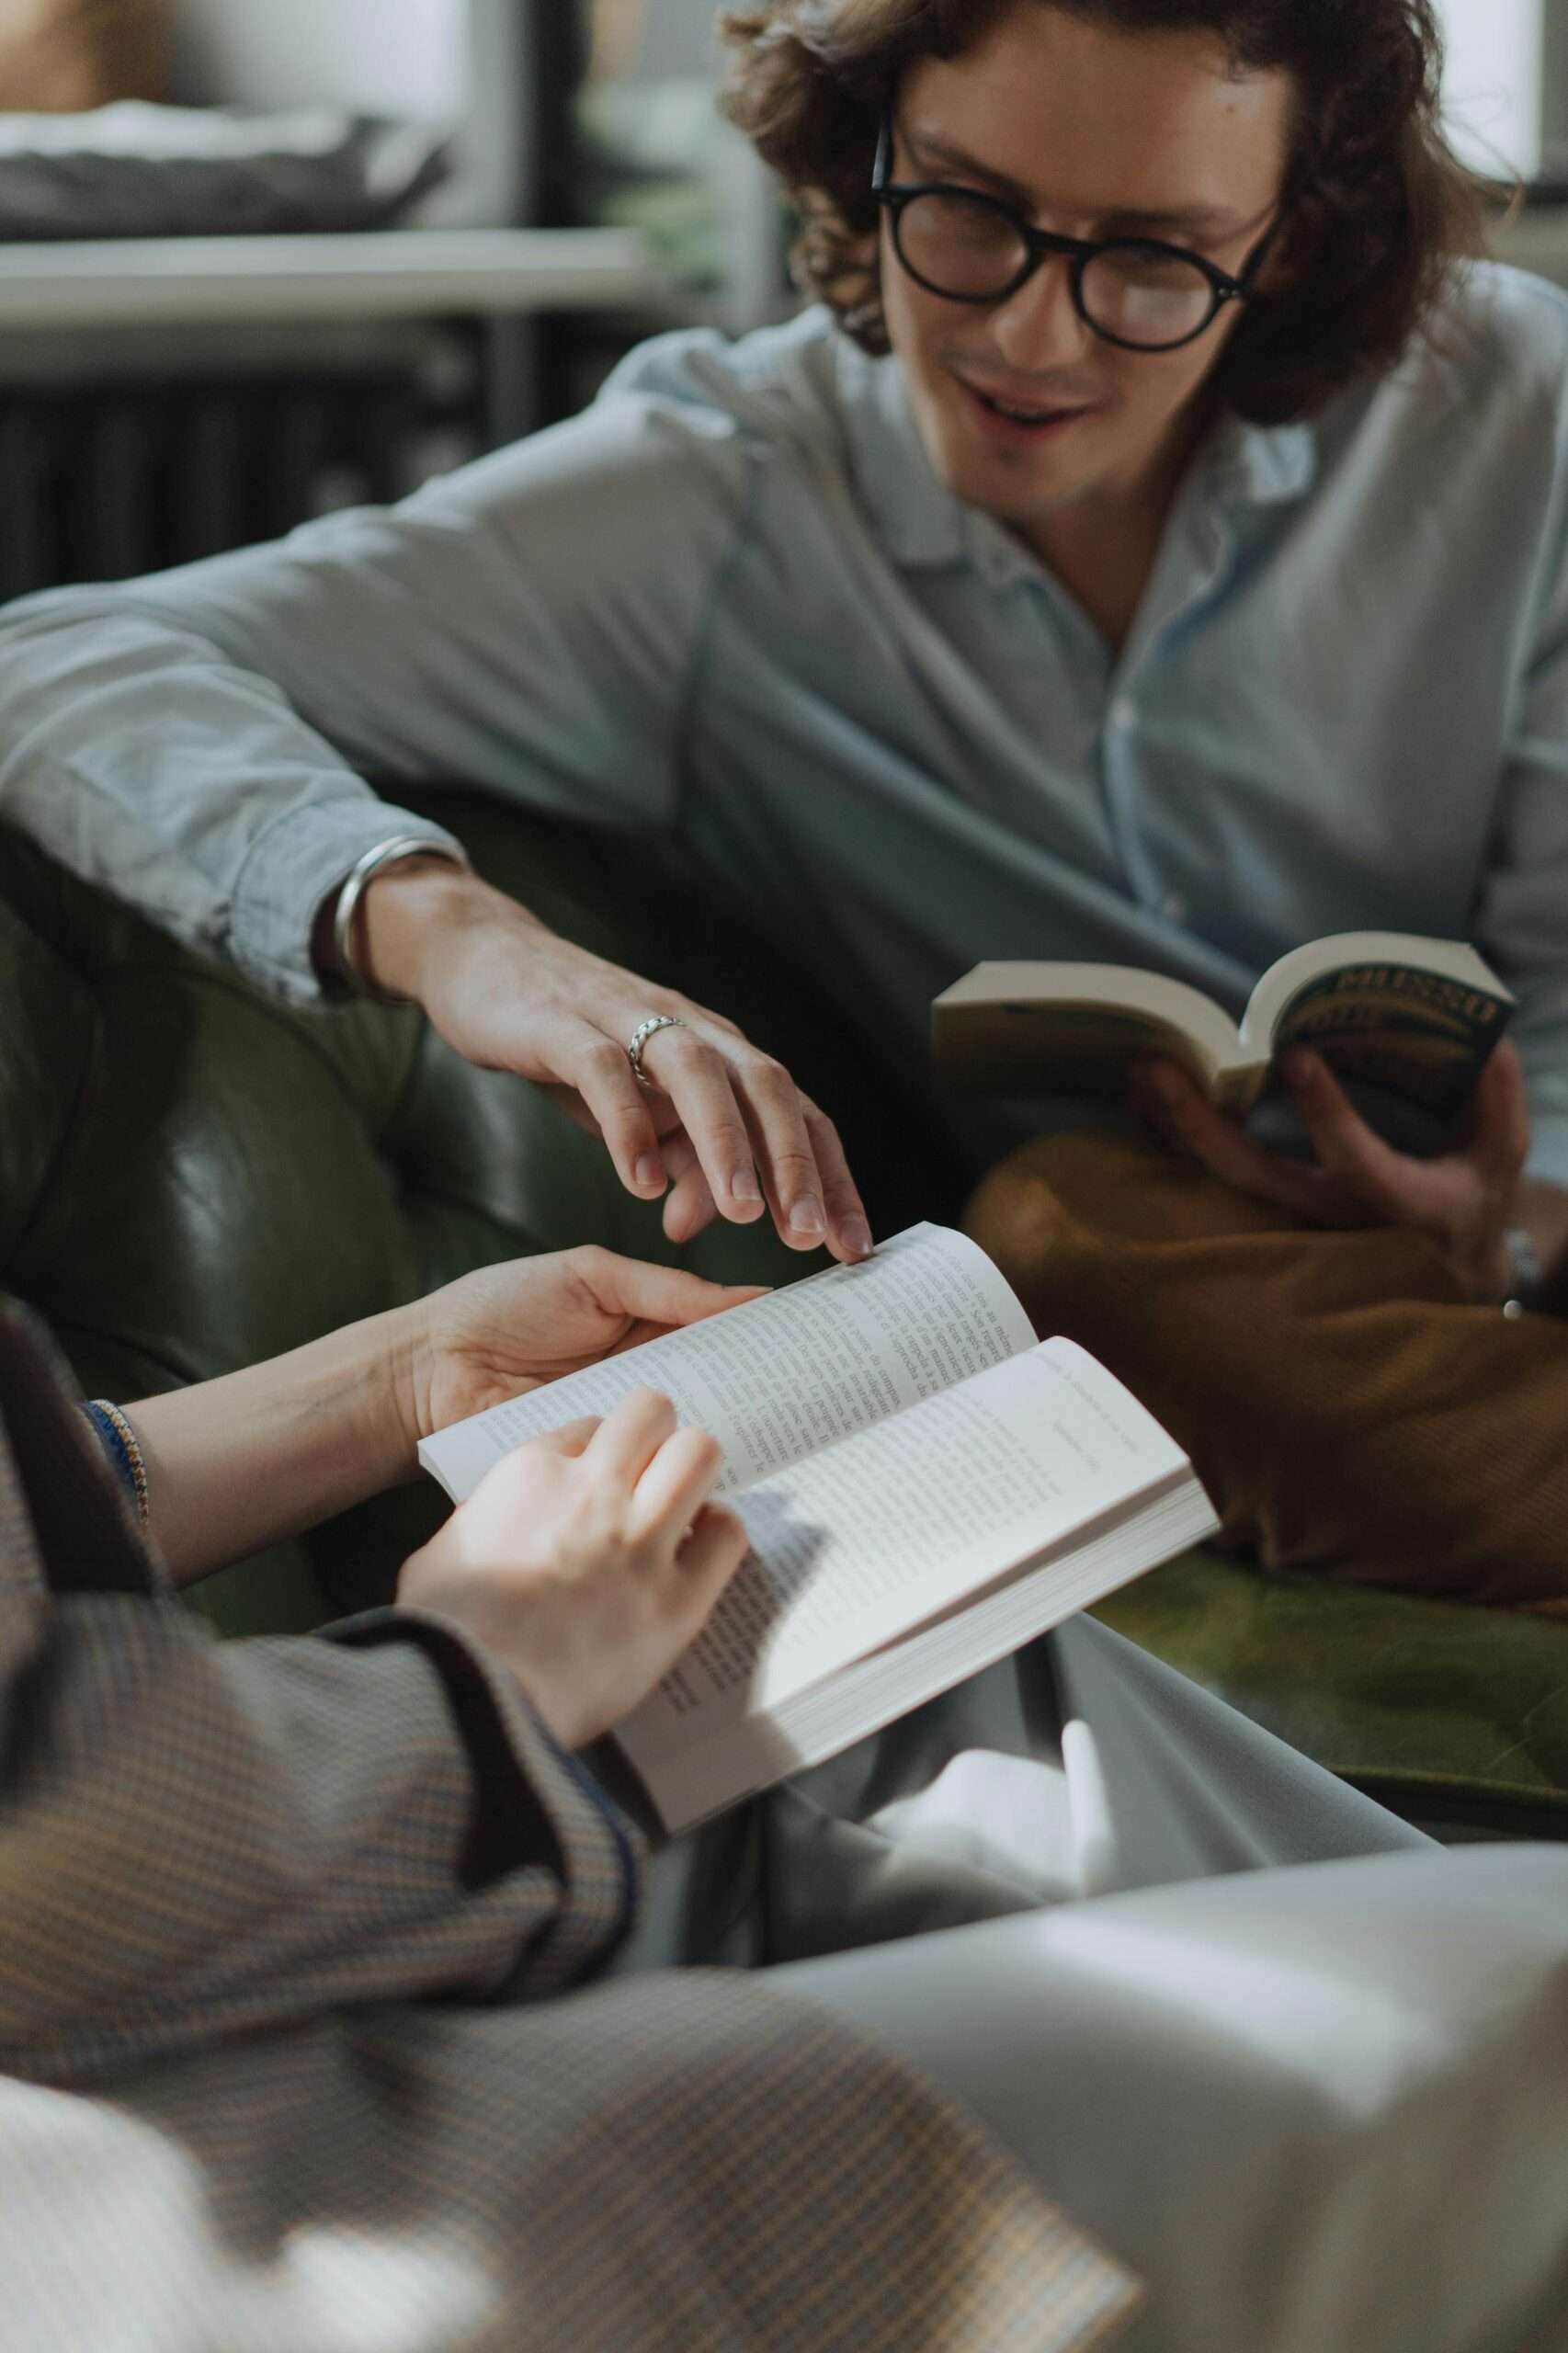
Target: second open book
x,y
1417,1016
925,1488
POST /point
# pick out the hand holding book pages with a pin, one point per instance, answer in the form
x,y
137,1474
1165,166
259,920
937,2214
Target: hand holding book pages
x,y
924,1489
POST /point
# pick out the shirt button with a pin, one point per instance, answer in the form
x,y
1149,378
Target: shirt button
x,y
1172,907
1122,716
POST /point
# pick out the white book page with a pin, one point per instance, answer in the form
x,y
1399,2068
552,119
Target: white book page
x,y
858,1545
719,1761
800,1370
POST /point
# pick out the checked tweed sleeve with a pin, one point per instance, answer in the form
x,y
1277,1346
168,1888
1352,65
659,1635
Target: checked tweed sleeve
x,y
199,1840
231,1878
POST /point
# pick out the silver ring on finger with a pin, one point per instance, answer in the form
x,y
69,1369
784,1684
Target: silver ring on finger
x,y
640,1037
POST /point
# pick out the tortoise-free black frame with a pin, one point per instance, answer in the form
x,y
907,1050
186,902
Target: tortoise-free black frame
x,y
1038,245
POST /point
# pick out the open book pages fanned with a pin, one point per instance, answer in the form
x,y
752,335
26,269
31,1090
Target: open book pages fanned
x,y
925,1487
1415,1016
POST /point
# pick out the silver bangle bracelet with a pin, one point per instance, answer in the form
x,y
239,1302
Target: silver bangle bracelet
x,y
353,888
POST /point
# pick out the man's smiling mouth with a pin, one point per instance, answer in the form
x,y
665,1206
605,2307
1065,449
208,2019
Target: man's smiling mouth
x,y
1025,413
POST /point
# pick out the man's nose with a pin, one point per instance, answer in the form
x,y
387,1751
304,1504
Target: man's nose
x,y
1038,328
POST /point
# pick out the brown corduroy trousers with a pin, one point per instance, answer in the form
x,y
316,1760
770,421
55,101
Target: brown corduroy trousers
x,y
1347,1411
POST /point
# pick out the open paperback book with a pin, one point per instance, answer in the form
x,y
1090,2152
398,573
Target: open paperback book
x,y
925,1487
1415,1016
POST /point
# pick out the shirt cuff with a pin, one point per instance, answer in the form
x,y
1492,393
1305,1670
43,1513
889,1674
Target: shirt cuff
x,y
292,868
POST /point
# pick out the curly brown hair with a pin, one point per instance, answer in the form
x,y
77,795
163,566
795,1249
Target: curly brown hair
x,y
1381,211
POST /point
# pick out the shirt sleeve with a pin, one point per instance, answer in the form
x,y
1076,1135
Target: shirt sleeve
x,y
196,742
1522,921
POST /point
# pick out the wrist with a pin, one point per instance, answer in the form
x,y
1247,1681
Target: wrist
x,y
349,1395
352,1387
410,1367
394,1389
404,911
339,948
1522,1270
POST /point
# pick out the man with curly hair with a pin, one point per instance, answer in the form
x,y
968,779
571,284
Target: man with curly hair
x,y
1148,550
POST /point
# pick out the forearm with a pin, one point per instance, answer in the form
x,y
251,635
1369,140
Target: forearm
x,y
197,743
260,1455
228,837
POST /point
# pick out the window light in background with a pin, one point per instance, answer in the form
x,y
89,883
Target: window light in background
x,y
394,57
1494,84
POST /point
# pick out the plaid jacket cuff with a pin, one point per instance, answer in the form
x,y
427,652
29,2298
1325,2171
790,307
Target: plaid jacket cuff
x,y
533,1801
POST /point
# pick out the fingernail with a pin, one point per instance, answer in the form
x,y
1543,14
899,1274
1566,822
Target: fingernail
x,y
855,1235
744,1185
806,1217
649,1171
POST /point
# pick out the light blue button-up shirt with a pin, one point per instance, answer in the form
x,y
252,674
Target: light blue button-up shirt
x,y
732,599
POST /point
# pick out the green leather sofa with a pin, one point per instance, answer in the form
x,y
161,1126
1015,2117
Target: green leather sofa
x,y
192,1177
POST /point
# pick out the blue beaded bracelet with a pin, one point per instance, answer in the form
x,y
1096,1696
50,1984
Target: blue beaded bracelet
x,y
121,1445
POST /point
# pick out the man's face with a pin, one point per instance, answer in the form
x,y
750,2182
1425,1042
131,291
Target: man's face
x,y
1090,133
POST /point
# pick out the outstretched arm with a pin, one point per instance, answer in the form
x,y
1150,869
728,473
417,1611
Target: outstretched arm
x,y
198,744
262,1454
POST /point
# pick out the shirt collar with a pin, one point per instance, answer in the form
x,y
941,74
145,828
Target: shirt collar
x,y
918,518
1258,465
921,523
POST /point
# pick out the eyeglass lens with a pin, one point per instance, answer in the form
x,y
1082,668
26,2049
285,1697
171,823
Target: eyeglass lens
x,y
973,250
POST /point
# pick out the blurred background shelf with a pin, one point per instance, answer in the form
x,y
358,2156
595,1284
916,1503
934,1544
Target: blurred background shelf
x,y
378,274
164,399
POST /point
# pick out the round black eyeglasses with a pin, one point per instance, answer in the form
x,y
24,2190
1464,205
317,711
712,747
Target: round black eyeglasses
x,y
1137,292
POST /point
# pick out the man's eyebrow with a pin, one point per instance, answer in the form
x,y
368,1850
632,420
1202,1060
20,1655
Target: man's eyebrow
x,y
1200,219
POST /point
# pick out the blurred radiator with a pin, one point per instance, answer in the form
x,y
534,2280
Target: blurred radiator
x,y
103,483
